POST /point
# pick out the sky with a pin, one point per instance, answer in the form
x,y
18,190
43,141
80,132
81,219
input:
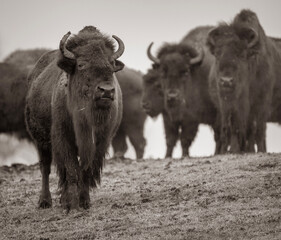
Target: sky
x,y
36,23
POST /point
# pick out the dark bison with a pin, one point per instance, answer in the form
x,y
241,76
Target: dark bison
x,y
153,104
13,74
247,76
12,100
25,58
132,124
184,70
74,108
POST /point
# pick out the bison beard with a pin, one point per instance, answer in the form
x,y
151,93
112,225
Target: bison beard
x,y
75,114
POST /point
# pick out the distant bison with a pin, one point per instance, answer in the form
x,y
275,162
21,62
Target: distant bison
x,y
25,58
74,108
247,75
184,70
132,124
13,81
153,104
12,100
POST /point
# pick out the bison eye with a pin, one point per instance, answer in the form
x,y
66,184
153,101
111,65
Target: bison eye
x,y
184,73
81,65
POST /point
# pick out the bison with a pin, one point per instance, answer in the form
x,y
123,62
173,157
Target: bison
x,y
73,109
26,58
132,124
12,100
247,75
184,70
153,104
13,72
229,86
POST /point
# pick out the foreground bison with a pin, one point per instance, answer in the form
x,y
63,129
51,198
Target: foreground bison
x,y
246,74
73,108
132,124
184,70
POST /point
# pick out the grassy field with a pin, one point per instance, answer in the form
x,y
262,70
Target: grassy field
x,y
220,197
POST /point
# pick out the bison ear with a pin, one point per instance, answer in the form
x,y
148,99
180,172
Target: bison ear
x,y
118,66
211,39
66,64
155,66
250,35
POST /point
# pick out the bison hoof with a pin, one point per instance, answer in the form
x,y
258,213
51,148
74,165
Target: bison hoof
x,y
45,202
69,198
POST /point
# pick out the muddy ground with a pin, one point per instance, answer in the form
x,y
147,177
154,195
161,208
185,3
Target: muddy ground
x,y
221,197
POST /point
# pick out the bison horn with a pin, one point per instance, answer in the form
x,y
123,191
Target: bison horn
x,y
150,56
63,49
254,37
120,50
198,58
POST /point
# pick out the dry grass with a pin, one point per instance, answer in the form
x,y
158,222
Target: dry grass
x,y
222,197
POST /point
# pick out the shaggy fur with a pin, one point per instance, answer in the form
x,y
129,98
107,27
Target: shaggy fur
x,y
13,91
25,58
67,117
185,86
12,100
256,73
132,124
153,104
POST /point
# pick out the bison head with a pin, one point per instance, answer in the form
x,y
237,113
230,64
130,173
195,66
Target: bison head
x,y
231,52
90,62
176,64
152,98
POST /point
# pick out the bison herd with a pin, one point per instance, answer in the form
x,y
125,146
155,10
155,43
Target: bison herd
x,y
72,103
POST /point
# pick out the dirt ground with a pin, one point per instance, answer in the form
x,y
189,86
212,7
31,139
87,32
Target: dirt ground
x,y
220,197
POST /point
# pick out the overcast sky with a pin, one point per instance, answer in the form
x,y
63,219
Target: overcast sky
x,y
36,23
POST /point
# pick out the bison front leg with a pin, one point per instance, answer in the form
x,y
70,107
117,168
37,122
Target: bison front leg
x,y
86,143
188,133
135,134
119,142
65,156
171,133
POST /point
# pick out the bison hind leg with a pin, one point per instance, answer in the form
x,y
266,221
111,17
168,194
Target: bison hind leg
x,y
119,143
45,199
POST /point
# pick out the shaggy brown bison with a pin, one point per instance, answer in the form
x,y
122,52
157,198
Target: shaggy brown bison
x,y
153,104
25,58
184,70
74,108
132,124
12,100
13,74
247,76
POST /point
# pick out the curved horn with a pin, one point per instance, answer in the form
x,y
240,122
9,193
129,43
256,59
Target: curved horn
x,y
150,56
255,38
198,58
120,50
63,49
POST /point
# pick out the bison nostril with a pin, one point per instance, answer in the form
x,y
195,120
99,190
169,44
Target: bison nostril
x,y
172,97
226,81
106,91
145,105
100,89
